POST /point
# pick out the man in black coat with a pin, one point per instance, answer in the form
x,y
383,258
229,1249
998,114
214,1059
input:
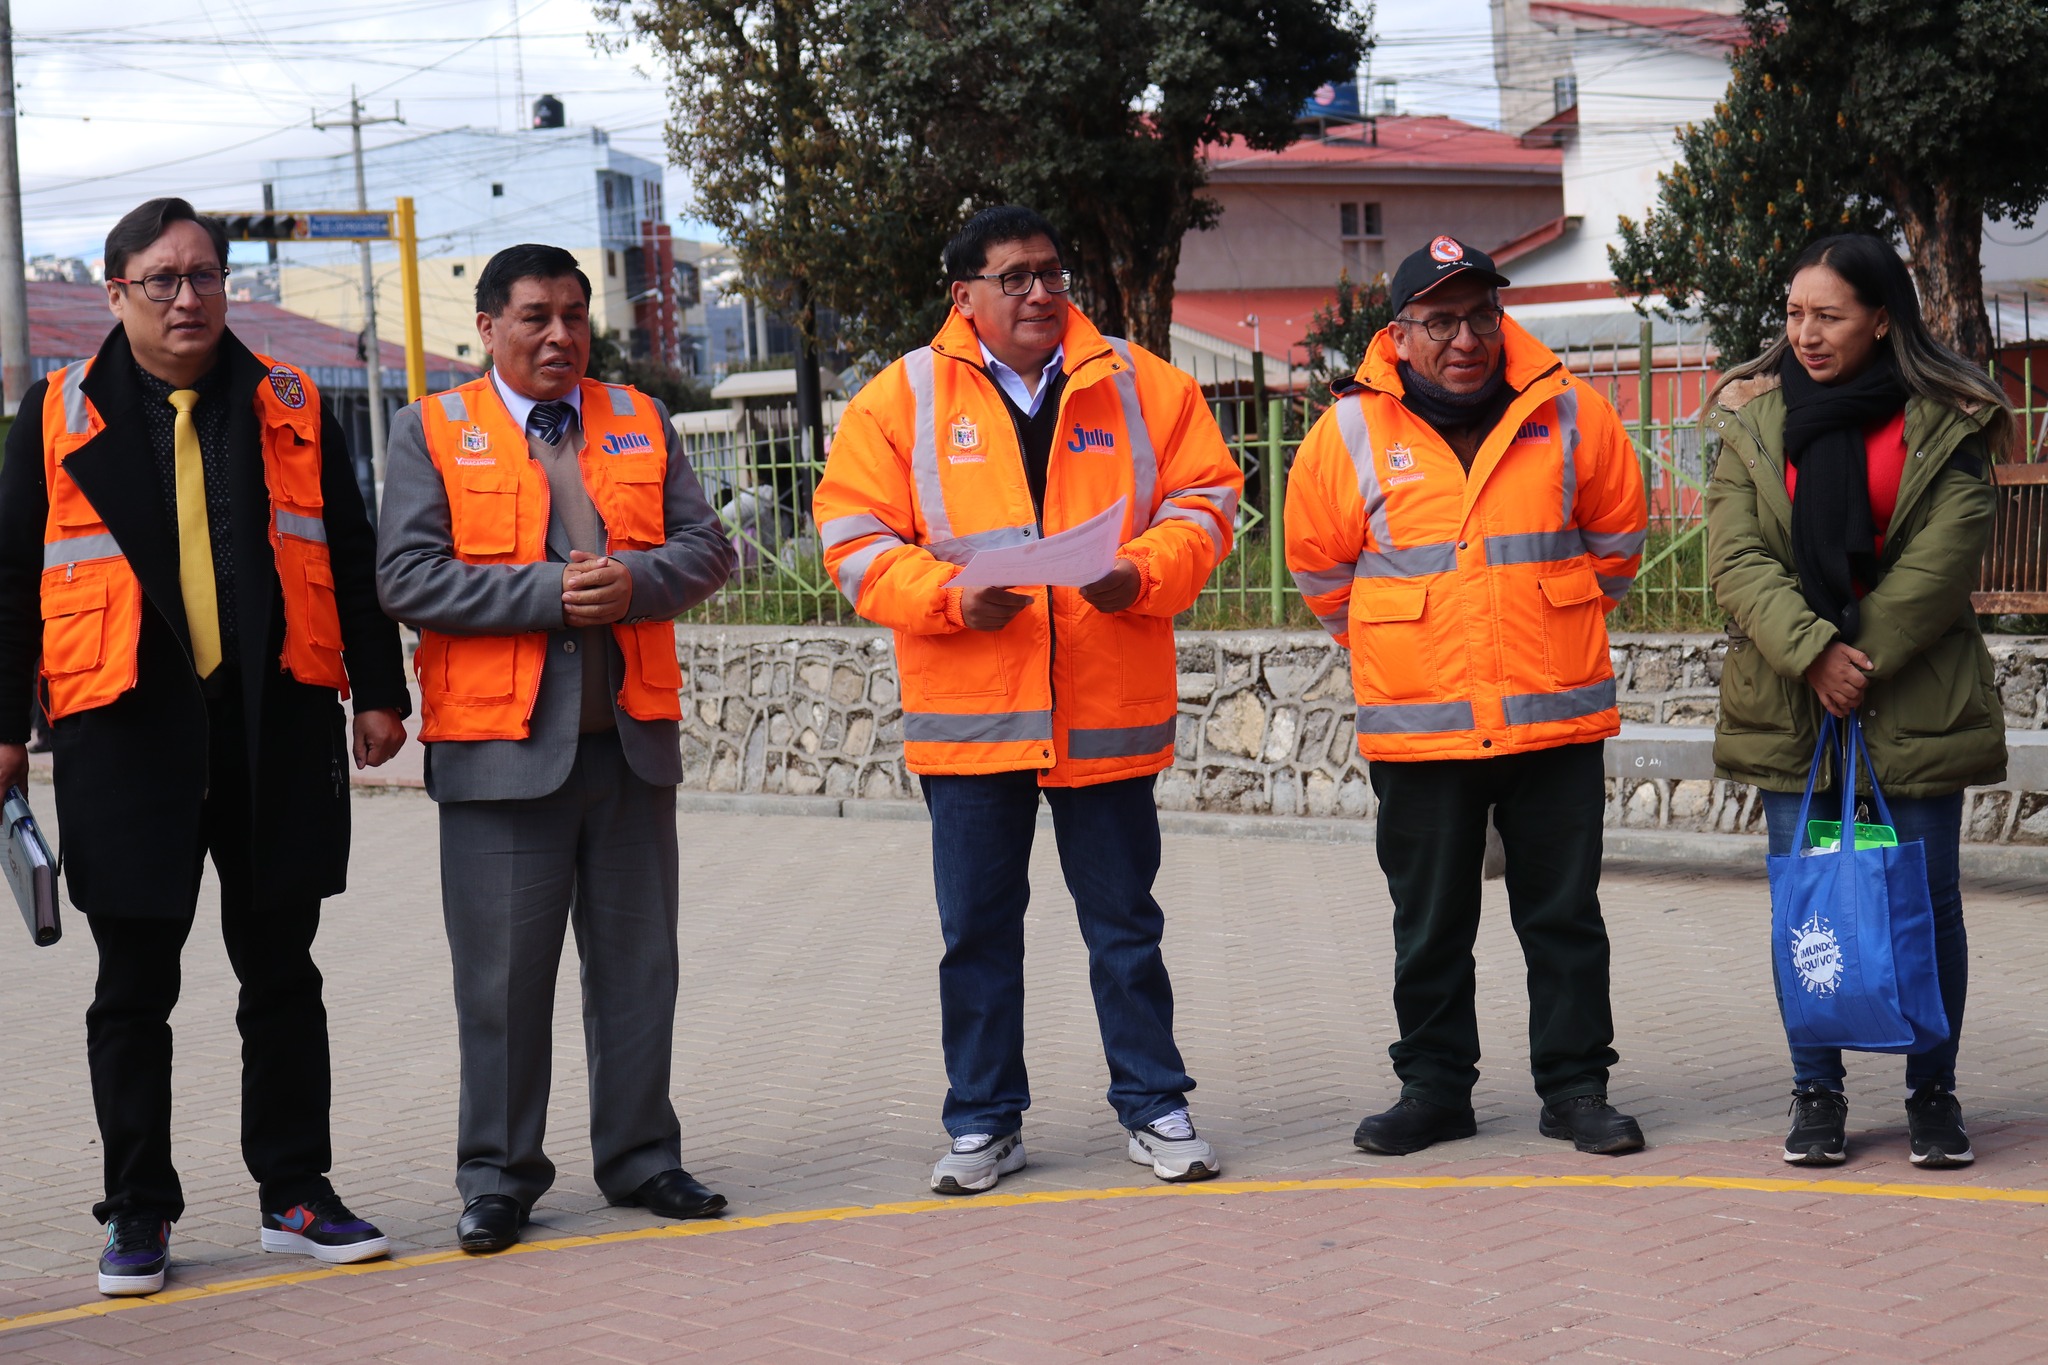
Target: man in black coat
x,y
169,554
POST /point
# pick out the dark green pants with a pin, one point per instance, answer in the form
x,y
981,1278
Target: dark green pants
x,y
1432,840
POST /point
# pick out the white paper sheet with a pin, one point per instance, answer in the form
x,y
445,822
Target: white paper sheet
x,y
1072,559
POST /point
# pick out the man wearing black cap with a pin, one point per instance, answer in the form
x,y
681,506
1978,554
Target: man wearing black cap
x,y
1462,519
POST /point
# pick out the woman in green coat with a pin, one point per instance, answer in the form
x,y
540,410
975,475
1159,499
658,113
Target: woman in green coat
x,y
1846,520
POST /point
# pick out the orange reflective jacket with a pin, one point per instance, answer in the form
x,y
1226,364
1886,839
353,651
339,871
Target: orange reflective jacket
x,y
927,467
91,599
1474,605
484,686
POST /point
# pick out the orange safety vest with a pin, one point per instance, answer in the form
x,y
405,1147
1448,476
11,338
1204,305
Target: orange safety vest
x,y
484,686
1474,605
91,598
926,468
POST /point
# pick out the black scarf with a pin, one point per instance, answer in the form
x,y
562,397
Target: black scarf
x,y
1834,537
1461,418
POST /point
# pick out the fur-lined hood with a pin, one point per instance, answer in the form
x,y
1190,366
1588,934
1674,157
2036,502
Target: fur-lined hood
x,y
1739,393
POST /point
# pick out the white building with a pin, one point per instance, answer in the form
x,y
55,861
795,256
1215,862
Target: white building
x,y
476,191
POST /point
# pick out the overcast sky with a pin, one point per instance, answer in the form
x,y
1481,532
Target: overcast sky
x,y
126,99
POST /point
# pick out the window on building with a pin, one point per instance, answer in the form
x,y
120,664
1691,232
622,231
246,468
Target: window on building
x,y
611,262
1361,239
458,271
497,190
461,351
1564,93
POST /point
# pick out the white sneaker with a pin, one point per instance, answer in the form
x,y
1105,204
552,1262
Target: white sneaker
x,y
976,1162
1171,1147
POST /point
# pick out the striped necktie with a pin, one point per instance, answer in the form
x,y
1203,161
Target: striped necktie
x,y
195,540
548,421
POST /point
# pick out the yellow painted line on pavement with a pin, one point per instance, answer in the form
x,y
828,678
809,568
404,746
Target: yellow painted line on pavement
x,y
1968,1194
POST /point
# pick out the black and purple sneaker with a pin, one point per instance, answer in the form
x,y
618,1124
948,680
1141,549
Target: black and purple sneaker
x,y
324,1229
137,1254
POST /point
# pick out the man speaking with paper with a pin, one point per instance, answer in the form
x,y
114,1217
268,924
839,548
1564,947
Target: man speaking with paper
x,y
1036,654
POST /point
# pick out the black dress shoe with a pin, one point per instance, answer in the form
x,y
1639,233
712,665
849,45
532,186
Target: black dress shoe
x,y
1592,1125
489,1222
1411,1125
676,1194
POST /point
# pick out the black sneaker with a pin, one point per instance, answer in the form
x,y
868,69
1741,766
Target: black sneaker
x,y
1591,1125
1412,1125
1935,1121
324,1229
138,1252
1820,1122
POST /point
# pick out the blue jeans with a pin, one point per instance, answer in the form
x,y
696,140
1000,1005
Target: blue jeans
x,y
1108,836
1937,822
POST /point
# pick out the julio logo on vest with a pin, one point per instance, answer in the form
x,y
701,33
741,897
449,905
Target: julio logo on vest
x,y
625,442
1091,438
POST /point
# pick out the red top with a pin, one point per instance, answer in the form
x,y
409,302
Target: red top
x,y
1884,447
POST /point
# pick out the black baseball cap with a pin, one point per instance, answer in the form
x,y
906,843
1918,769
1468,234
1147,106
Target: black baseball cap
x,y
1441,260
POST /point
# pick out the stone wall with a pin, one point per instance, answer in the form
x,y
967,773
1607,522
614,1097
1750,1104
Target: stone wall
x,y
1266,725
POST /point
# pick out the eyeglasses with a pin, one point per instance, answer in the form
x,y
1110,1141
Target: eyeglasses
x,y
1483,323
1017,283
164,287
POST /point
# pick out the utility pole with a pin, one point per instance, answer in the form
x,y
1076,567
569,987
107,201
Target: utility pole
x,y
373,364
14,342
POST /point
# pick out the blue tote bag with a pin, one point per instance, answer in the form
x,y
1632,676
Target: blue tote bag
x,y
1852,931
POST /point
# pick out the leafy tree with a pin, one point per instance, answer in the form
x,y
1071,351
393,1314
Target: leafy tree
x,y
1857,114
677,391
1342,329
1753,185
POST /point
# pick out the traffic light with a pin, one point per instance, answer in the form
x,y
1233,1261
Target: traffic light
x,y
262,226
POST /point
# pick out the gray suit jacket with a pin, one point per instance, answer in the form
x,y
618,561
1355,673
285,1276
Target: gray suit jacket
x,y
421,583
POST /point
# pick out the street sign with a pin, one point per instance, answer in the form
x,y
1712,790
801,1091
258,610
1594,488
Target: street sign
x,y
271,225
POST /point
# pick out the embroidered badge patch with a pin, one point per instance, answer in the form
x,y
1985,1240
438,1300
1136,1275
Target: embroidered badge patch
x,y
1400,457
475,439
1446,250
966,435
620,442
289,388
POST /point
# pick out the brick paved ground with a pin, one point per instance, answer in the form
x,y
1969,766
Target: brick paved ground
x,y
808,1077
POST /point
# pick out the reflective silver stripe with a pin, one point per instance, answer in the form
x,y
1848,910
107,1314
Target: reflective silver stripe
x,y
622,400
1205,519
77,413
78,549
453,407
841,530
1129,741
1537,707
853,570
1616,544
1144,459
1534,547
1224,498
1568,439
1415,718
305,528
1412,561
1337,624
1358,440
944,727
960,548
1314,581
1616,586
924,449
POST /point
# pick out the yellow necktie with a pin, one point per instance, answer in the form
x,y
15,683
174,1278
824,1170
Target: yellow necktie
x,y
195,542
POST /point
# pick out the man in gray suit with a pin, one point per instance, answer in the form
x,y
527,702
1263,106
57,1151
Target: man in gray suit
x,y
543,530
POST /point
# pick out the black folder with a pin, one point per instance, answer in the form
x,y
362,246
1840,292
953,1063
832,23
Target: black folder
x,y
30,869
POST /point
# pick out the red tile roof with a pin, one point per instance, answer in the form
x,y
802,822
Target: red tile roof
x,y
1284,316
69,321
1727,30
1401,142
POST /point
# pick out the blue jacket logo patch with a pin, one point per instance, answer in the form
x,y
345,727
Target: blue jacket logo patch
x,y
624,442
1091,438
1533,431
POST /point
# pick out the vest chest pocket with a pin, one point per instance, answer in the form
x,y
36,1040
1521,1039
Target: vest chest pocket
x,y
1574,627
1390,646
485,518
635,516
74,625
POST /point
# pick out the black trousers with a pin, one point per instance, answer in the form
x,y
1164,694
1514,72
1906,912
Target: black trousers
x,y
1432,840
285,1081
